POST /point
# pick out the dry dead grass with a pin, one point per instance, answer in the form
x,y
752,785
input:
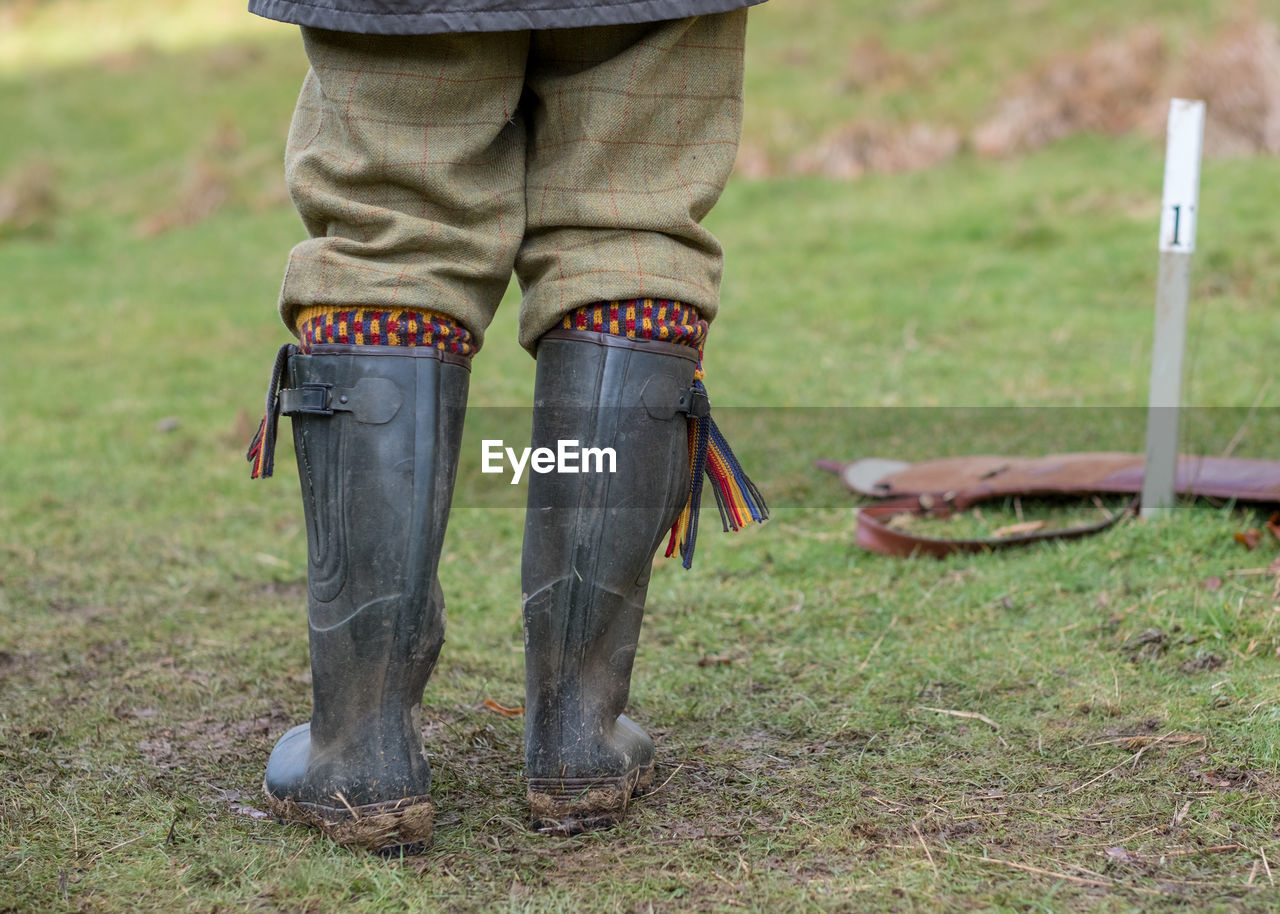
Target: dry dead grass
x,y
874,65
28,198
15,13
207,184
1108,88
1238,74
1114,86
1124,84
862,148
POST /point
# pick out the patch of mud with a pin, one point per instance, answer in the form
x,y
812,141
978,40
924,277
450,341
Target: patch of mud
x,y
204,741
12,664
1134,729
1229,777
1202,661
204,189
283,592
1148,644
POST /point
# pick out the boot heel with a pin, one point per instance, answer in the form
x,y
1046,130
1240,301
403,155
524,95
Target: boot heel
x,y
569,806
402,825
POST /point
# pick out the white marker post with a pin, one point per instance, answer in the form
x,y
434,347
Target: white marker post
x,y
1177,242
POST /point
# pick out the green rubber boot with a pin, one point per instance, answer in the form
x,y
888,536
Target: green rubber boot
x,y
377,431
589,541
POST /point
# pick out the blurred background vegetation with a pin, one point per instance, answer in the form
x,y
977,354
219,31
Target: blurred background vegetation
x,y
939,204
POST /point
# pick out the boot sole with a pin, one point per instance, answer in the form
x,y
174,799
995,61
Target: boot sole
x,y
570,806
403,825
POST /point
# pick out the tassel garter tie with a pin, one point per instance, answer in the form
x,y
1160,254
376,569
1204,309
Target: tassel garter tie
x,y
262,450
739,501
737,498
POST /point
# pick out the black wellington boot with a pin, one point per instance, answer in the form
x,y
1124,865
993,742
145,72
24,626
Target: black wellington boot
x,y
377,431
589,543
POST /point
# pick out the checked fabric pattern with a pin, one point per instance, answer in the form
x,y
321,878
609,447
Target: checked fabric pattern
x,y
428,168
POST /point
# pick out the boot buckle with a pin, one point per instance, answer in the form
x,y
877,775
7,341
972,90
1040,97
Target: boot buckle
x,y
695,402
311,399
373,401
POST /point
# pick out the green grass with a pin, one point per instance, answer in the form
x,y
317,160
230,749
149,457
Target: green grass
x,y
151,598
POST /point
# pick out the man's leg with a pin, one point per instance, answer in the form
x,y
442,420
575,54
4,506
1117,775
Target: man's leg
x,y
406,162
633,136
633,131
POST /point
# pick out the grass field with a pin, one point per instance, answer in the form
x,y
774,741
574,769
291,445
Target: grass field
x,y
1087,726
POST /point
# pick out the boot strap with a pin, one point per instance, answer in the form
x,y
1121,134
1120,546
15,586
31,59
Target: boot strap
x,y
262,449
373,401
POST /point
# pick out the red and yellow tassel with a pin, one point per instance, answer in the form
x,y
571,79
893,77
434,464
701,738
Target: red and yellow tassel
x,y
262,449
737,497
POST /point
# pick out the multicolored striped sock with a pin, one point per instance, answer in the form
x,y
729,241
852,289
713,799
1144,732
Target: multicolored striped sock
x,y
737,497
376,327
643,319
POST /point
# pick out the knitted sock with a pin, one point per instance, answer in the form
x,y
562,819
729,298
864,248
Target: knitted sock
x,y
643,319
373,327
737,497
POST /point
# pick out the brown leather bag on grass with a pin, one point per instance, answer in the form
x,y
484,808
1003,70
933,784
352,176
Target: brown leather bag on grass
x,y
939,488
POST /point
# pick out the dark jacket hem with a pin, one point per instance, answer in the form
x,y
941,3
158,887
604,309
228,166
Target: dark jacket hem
x,y
618,12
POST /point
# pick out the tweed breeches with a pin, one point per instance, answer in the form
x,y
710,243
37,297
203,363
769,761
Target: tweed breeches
x,y
427,169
